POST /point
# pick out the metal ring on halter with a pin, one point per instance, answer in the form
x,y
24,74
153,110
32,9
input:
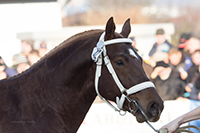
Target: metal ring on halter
x,y
122,112
133,103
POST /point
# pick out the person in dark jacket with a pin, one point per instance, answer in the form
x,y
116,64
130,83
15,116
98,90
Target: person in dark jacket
x,y
168,83
193,85
177,62
193,79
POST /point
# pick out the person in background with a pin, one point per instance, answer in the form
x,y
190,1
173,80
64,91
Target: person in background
x,y
2,68
33,57
5,70
43,49
2,74
184,38
159,51
27,46
20,62
192,44
193,84
177,62
160,42
160,55
193,80
167,81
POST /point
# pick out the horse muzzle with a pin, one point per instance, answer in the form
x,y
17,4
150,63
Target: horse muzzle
x,y
152,114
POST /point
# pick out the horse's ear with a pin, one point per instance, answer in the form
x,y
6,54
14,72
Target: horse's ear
x,y
126,29
110,29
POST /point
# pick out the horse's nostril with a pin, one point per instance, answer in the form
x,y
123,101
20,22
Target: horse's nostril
x,y
154,109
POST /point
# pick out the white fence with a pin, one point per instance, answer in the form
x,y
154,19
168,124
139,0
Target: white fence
x,y
103,119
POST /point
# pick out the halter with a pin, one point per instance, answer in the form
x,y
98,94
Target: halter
x,y
98,57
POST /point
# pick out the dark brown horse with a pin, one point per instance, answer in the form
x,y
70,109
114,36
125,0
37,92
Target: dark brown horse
x,y
55,94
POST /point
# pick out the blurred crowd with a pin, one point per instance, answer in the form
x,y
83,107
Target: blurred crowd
x,y
175,69
23,60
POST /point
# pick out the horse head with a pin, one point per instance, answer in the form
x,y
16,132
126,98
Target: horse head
x,y
120,76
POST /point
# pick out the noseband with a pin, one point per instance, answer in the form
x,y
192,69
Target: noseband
x,y
98,55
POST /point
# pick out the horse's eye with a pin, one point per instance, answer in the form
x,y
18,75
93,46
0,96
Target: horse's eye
x,y
119,63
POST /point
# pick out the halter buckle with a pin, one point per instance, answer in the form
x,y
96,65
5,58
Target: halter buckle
x,y
96,53
100,44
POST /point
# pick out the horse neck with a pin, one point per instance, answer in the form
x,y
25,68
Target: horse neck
x,y
73,84
62,83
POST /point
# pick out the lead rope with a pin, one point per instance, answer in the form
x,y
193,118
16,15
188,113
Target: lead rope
x,y
181,129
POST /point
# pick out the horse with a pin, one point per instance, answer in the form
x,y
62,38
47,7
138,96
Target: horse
x,y
55,93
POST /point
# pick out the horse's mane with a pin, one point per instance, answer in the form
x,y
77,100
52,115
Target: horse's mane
x,y
69,41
